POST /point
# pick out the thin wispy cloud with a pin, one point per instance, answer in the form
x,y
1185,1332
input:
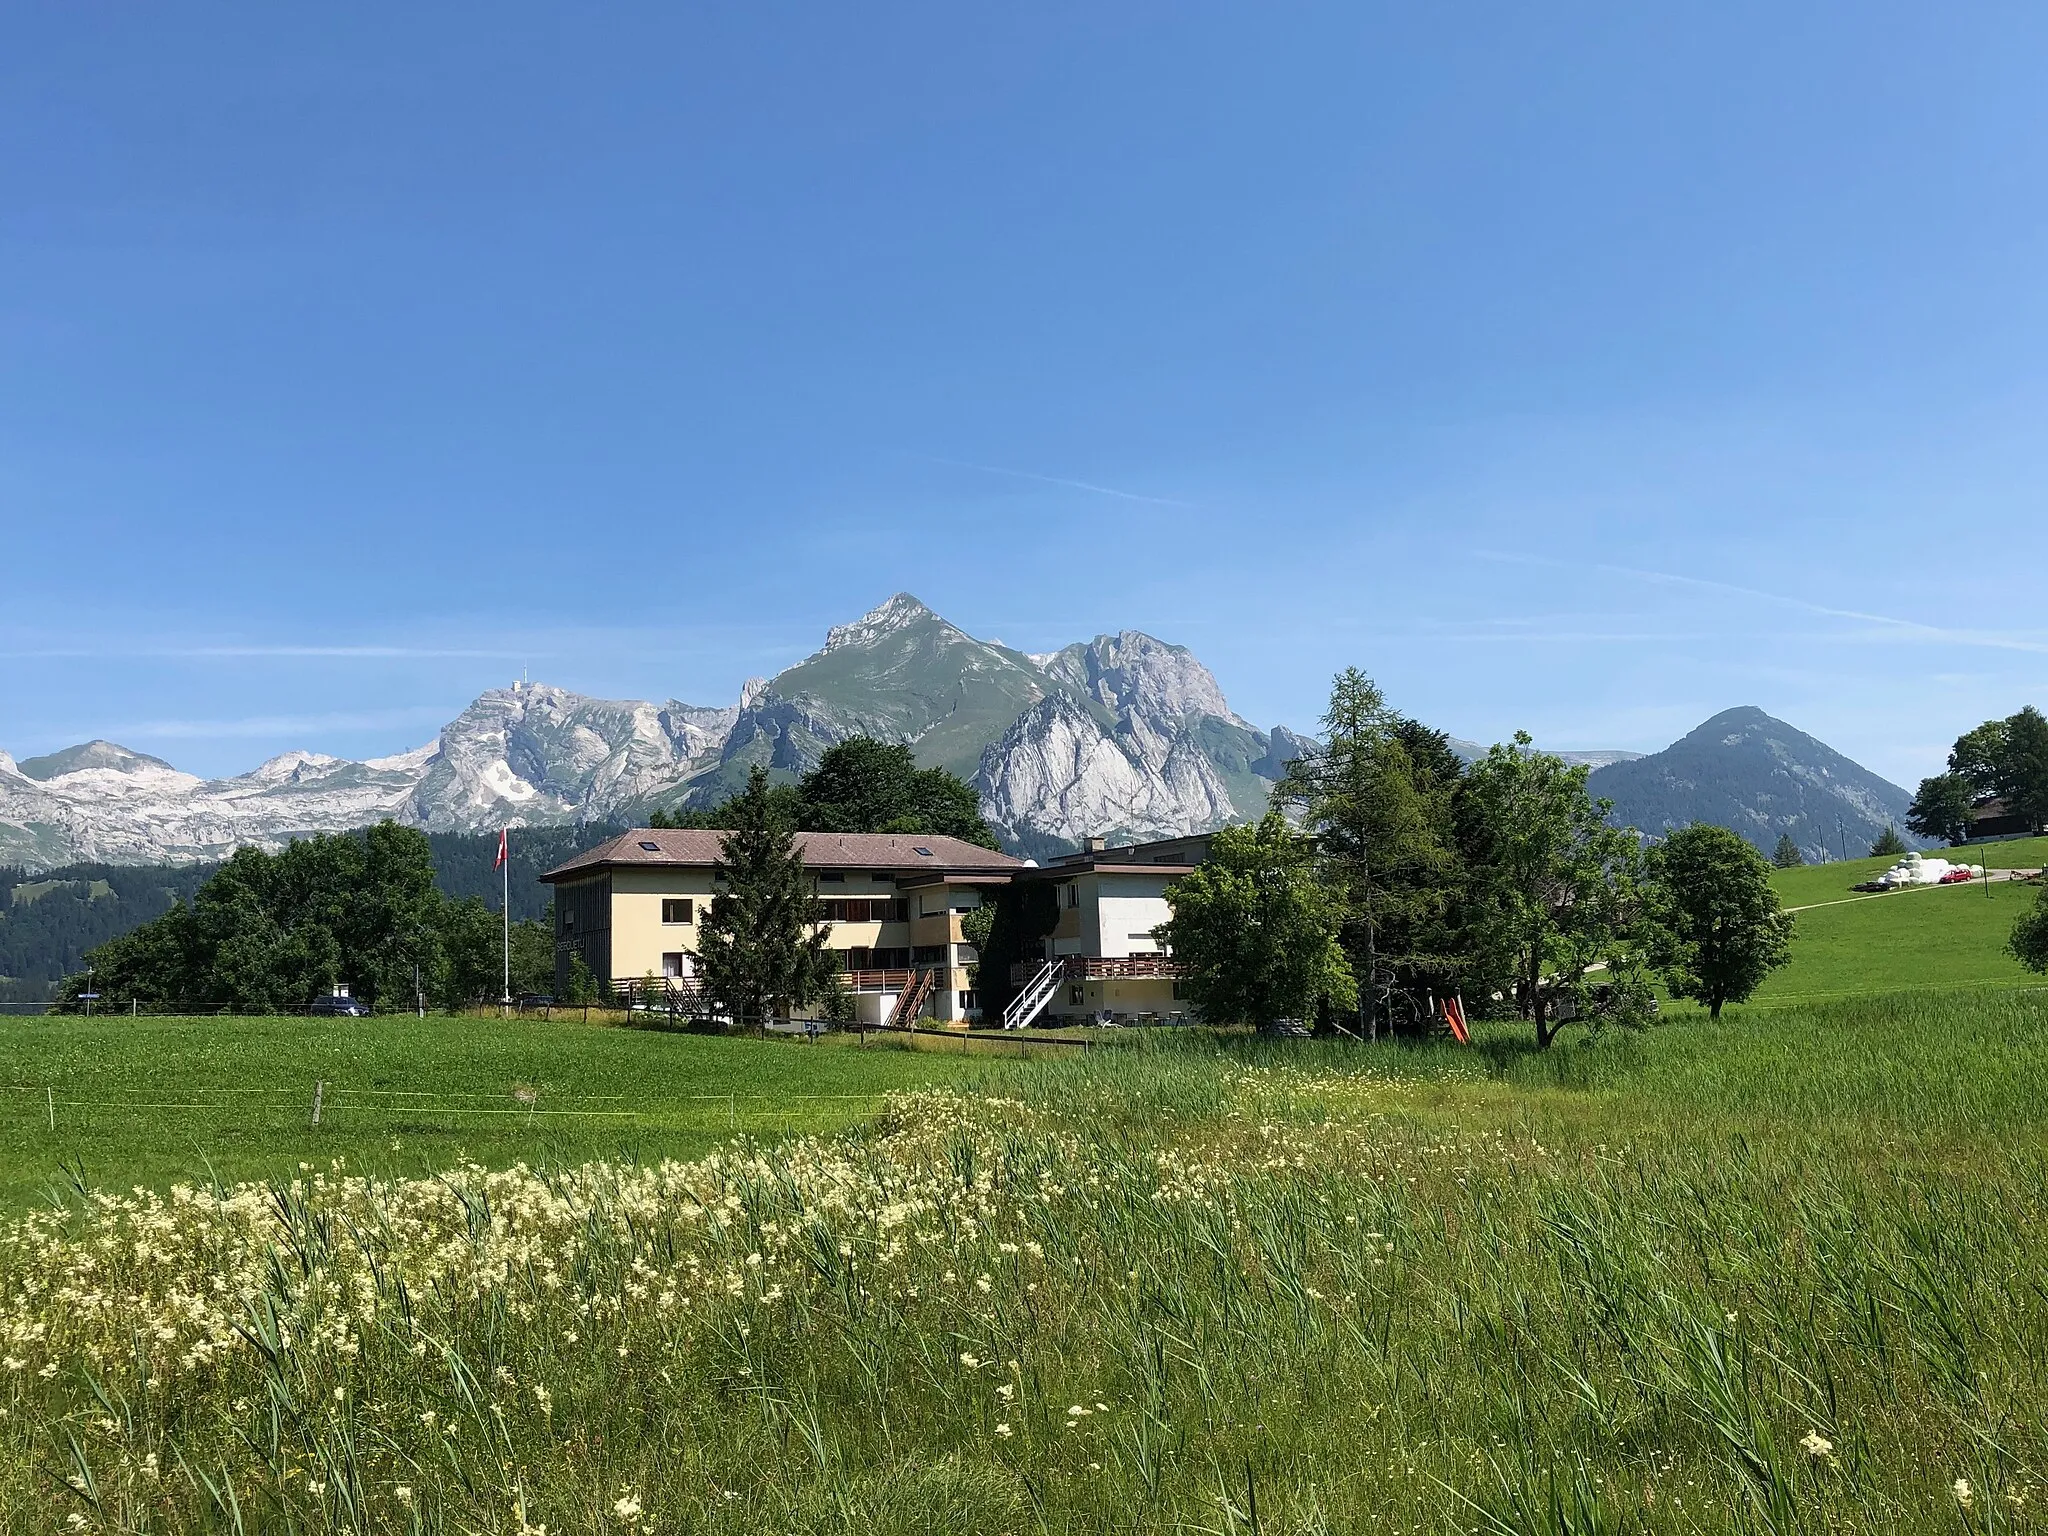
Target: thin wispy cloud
x,y
225,652
276,725
1917,629
1071,485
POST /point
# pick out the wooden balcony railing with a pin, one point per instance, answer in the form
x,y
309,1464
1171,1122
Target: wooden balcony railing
x,y
1098,968
874,981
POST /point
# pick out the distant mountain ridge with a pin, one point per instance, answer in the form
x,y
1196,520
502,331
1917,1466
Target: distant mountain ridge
x,y
1125,736
1752,773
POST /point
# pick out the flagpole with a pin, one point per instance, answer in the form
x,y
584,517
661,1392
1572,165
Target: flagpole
x,y
505,906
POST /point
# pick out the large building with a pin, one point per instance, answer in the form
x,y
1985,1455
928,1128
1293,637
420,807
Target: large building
x,y
631,907
1108,964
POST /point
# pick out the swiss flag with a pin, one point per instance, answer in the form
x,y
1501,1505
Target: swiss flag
x,y
503,853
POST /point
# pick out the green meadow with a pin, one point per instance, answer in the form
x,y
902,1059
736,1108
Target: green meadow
x,y
1779,1273
119,1102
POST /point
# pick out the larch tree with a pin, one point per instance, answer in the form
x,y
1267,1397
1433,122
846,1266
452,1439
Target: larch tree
x,y
1375,792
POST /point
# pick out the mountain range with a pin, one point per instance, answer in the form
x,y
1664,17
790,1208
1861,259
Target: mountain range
x,y
1124,736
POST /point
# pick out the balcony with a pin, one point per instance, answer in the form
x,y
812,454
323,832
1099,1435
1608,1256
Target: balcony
x,y
875,981
1096,968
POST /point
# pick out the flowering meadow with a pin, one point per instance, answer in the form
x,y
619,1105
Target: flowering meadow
x,y
1198,1288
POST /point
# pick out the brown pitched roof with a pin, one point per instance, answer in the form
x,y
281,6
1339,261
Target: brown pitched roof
x,y
821,850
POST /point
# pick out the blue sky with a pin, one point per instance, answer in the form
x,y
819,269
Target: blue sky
x,y
1582,369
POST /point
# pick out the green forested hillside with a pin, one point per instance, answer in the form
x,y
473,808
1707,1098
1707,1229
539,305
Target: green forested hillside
x,y
49,920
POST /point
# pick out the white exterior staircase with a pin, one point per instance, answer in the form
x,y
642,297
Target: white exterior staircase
x,y
1029,1003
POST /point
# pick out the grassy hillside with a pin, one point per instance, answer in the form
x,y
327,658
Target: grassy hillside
x,y
1763,1276
1848,944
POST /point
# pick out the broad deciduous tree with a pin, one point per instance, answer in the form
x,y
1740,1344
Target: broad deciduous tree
x,y
1254,929
1941,807
2029,942
1720,930
1552,890
863,785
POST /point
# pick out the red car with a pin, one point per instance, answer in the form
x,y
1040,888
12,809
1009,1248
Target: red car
x,y
1956,877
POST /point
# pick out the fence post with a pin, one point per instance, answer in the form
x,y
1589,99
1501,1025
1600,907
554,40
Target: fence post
x,y
50,1100
319,1087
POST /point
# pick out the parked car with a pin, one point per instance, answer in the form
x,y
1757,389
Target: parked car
x,y
1870,885
339,1006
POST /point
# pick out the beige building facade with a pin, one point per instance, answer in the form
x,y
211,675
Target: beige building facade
x,y
1110,901
632,908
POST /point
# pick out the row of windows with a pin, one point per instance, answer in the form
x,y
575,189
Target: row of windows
x,y
837,909
856,909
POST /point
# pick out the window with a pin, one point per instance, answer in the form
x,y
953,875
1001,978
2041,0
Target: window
x,y
1077,997
882,877
863,909
969,1003
650,847
922,853
1073,895
928,954
677,909
833,876
675,965
568,917
968,955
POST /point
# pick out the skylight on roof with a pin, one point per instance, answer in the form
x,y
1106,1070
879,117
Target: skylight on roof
x,y
650,847
922,852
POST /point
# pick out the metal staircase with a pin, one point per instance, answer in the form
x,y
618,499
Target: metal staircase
x,y
1029,1003
911,1000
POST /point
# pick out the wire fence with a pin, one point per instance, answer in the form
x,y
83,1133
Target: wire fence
x,y
321,1104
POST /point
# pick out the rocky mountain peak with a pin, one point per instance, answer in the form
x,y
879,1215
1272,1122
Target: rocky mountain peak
x,y
1134,671
899,612
1749,771
105,755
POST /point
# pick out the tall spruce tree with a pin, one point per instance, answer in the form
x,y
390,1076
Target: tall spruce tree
x,y
1889,844
1788,855
761,947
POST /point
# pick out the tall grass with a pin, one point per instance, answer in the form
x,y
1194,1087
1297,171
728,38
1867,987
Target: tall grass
x,y
1664,1286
